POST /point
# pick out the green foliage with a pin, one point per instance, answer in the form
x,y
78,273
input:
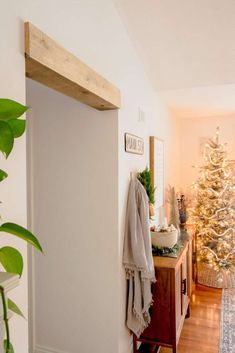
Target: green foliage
x,y
3,175
165,251
12,261
15,229
14,308
6,138
10,126
8,347
10,109
17,126
145,178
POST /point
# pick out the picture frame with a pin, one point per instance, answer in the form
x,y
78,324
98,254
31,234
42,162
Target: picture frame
x,y
157,169
134,144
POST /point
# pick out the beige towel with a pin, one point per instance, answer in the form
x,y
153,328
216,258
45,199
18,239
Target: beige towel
x,y
137,259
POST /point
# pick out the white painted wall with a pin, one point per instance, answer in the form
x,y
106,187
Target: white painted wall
x,y
93,31
192,133
158,123
176,40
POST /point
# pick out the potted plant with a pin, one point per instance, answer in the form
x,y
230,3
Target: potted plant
x,y
145,178
11,127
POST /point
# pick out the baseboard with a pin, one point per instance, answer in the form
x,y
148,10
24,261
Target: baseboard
x,y
42,349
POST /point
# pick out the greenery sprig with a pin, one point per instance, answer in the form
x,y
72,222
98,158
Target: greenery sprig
x,y
145,178
165,251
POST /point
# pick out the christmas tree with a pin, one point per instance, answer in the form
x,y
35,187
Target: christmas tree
x,y
214,217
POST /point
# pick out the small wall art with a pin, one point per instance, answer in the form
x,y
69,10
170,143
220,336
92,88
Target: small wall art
x,y
134,144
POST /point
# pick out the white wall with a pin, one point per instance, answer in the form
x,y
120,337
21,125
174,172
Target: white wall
x,y
92,30
193,131
111,54
158,123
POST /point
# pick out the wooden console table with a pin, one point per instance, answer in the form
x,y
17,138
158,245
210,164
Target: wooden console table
x,y
171,295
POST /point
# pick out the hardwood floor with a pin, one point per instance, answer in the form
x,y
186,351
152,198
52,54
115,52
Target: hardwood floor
x,y
201,331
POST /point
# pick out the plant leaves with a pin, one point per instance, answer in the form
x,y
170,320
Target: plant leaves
x,y
6,138
10,350
14,308
12,260
22,233
17,126
3,175
10,109
145,178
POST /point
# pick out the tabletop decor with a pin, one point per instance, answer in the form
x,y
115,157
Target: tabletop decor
x,y
165,251
164,236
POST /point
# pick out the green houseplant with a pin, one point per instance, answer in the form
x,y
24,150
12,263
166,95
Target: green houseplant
x,y
12,127
145,178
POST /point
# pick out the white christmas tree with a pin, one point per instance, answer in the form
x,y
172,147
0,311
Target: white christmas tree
x,y
214,217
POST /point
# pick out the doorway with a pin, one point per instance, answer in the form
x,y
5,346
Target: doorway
x,y
72,154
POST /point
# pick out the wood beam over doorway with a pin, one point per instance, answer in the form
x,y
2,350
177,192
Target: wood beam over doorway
x,y
50,64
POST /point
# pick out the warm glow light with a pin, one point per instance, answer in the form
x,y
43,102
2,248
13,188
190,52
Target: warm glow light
x,y
214,213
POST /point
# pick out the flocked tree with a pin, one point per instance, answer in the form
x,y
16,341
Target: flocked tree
x,y
214,217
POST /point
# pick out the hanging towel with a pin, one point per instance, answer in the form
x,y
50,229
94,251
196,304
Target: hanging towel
x,y
137,258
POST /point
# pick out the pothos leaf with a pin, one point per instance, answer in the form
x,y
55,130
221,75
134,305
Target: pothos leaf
x,y
3,175
22,233
17,126
14,308
12,260
10,109
7,349
6,138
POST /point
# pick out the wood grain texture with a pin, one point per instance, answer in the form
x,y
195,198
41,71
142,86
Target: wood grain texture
x,y
50,64
151,158
201,331
170,262
156,163
170,301
161,330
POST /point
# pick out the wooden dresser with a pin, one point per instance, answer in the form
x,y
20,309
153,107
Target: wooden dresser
x,y
171,295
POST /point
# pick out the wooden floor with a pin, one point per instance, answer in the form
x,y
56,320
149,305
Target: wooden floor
x,y
201,331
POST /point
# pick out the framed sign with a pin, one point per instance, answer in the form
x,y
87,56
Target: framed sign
x,y
134,144
157,169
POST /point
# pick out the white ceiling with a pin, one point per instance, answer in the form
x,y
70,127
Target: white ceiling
x,y
183,43
207,101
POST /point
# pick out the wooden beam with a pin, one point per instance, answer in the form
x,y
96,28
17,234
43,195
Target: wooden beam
x,y
50,64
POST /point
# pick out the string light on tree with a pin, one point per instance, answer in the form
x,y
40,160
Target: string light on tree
x,y
214,215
